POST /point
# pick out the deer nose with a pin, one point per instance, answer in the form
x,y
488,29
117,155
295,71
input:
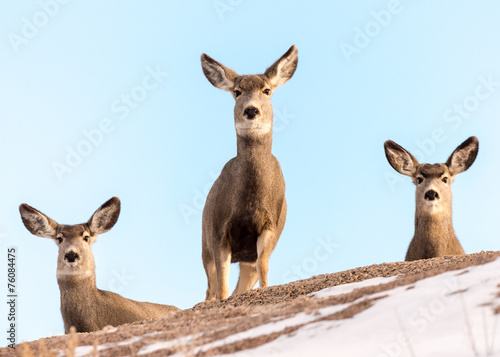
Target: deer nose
x,y
431,195
251,112
71,257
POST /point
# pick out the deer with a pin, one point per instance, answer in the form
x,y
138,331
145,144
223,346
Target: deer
x,y
245,210
434,234
83,305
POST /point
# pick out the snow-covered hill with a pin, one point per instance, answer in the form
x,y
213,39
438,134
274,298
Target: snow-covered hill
x,y
440,307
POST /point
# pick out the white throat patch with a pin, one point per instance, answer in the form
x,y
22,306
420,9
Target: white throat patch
x,y
67,273
433,207
253,127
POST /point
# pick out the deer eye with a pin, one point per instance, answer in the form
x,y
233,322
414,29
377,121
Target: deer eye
x,y
445,179
419,180
267,91
59,240
86,238
237,93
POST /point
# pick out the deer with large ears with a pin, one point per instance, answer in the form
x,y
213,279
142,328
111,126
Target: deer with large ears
x,y
83,305
434,234
245,210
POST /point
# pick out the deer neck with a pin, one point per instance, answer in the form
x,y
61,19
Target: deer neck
x,y
433,227
255,168
254,149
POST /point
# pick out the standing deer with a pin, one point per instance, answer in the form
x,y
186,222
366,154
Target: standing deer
x,y
245,210
83,305
434,234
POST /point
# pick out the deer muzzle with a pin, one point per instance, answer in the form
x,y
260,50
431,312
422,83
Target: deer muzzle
x,y
71,257
431,195
251,113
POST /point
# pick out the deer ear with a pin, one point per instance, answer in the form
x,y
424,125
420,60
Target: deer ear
x,y
219,75
105,217
400,159
37,223
463,156
284,68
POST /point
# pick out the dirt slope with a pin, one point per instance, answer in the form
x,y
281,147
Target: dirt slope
x,y
199,330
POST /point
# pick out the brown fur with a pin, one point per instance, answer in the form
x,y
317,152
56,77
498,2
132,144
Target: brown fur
x,y
245,210
83,305
434,234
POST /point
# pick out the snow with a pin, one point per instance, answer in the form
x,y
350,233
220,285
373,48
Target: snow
x,y
83,351
347,288
180,343
433,313
272,327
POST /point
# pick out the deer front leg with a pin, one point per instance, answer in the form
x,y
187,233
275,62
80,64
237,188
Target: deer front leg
x,y
265,247
222,264
209,265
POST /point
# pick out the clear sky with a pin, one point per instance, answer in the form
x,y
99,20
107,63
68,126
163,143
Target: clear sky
x,y
103,99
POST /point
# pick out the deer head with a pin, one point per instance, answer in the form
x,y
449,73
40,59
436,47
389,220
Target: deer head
x,y
75,260
253,112
433,193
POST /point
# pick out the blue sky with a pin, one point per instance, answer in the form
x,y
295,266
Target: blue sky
x,y
121,84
